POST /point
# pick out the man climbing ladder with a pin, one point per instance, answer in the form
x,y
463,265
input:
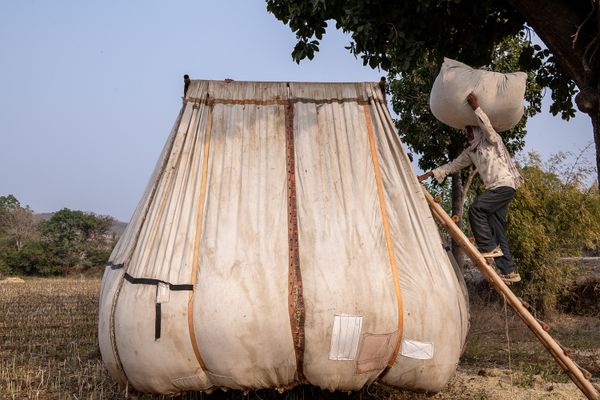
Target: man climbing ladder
x,y
487,214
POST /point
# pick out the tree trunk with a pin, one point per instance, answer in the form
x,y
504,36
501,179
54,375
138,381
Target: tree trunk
x,y
458,202
588,102
595,116
571,31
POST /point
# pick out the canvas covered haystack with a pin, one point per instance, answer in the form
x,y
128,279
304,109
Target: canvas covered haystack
x,y
282,239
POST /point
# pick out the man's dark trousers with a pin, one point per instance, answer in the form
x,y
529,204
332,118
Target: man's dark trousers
x,y
487,216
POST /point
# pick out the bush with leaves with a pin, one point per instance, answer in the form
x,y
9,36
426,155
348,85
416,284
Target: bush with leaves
x,y
17,228
69,241
32,259
75,240
552,216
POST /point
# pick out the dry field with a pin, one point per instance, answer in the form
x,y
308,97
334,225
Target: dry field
x,y
49,350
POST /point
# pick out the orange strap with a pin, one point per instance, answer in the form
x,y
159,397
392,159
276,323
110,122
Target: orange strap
x,y
199,225
388,236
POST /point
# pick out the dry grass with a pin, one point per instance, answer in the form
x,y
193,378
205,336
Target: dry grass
x,y
49,350
49,347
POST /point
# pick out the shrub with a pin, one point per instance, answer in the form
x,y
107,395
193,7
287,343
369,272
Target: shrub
x,y
552,216
5,269
31,259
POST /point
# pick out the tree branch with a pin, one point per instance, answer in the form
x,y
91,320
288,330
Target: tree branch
x,y
575,36
592,44
467,184
557,33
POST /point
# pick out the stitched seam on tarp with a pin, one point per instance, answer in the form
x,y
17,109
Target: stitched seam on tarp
x,y
388,236
279,102
295,295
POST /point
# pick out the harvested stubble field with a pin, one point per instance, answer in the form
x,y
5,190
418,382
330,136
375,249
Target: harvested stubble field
x,y
49,350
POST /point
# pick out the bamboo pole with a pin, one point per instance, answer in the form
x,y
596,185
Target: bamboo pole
x,y
488,272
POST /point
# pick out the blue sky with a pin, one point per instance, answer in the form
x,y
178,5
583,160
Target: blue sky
x,y
90,90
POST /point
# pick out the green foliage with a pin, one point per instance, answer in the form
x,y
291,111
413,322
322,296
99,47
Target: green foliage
x,y
398,36
5,269
394,34
17,226
8,205
417,127
433,140
69,241
68,226
75,239
9,202
32,259
552,216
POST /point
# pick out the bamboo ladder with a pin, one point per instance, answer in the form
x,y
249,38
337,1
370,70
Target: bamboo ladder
x,y
559,354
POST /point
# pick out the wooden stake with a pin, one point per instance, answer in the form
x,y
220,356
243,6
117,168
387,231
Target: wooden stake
x,y
488,272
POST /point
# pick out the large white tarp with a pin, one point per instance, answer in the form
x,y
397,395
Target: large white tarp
x,y
201,291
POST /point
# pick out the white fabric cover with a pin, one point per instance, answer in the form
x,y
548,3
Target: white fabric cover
x,y
235,235
501,96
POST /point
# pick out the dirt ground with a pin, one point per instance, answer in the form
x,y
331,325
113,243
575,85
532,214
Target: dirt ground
x,y
49,350
504,360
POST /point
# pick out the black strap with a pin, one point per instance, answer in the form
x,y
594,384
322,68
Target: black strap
x,y
157,322
115,266
155,282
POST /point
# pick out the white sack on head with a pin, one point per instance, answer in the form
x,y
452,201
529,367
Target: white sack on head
x,y
501,96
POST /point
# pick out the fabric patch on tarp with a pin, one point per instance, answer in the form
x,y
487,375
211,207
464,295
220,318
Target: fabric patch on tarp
x,y
162,292
417,350
375,351
345,336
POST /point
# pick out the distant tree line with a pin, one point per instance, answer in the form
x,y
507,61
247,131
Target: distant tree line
x,y
555,214
70,241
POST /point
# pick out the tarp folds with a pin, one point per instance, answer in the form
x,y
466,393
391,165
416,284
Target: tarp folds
x,y
292,212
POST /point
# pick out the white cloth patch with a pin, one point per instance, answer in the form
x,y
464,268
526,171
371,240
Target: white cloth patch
x,y
162,292
417,350
345,336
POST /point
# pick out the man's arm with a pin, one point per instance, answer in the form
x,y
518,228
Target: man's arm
x,y
483,120
440,173
426,175
460,162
